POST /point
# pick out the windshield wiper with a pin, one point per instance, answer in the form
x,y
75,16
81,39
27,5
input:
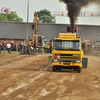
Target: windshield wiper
x,y
67,49
75,49
58,49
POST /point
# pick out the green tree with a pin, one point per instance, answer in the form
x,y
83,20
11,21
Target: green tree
x,y
45,16
10,17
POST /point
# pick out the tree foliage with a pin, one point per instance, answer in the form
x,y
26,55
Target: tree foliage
x,y
44,16
10,17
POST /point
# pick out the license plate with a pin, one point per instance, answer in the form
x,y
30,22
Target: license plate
x,y
66,63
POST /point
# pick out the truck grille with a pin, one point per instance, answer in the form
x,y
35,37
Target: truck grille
x,y
67,56
66,63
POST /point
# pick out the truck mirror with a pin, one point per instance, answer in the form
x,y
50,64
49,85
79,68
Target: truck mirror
x,y
83,45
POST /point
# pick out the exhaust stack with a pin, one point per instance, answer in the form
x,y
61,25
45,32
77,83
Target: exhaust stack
x,y
74,8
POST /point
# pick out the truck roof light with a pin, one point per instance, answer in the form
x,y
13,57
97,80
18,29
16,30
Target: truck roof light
x,y
77,36
67,35
57,36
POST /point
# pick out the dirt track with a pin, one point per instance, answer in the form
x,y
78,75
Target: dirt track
x,y
30,78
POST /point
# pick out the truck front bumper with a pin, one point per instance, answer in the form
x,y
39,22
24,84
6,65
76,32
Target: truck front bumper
x,y
73,63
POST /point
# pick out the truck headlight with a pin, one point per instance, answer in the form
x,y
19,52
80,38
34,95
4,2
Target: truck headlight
x,y
78,61
55,60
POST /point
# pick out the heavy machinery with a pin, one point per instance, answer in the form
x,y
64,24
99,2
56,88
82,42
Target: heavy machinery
x,y
48,46
88,45
67,53
37,43
96,47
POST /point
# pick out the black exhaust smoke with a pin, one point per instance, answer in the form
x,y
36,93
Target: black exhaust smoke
x,y
74,8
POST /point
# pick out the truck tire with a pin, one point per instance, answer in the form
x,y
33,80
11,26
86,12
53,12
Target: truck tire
x,y
54,69
58,69
18,49
2,47
14,47
75,69
79,69
45,50
29,51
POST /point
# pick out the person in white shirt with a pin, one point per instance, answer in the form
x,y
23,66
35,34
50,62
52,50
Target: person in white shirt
x,y
8,47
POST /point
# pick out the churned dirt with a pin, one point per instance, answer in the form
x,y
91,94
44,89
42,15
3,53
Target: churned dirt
x,y
28,77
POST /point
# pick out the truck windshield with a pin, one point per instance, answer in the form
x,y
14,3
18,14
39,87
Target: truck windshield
x,y
86,41
73,45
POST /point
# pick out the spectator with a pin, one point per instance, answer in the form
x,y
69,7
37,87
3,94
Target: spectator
x,y
8,47
4,46
20,48
24,48
0,47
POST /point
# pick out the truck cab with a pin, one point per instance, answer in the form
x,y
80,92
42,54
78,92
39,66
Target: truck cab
x,y
67,52
88,45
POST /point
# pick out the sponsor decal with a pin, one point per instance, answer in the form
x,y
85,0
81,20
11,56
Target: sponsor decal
x,y
82,14
5,10
58,56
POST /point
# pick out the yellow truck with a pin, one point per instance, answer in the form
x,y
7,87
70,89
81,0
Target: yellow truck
x,y
67,53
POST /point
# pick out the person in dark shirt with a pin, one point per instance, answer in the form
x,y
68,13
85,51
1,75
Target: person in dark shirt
x,y
20,47
4,46
0,47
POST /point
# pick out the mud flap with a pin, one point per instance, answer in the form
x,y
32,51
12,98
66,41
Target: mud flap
x,y
50,61
85,63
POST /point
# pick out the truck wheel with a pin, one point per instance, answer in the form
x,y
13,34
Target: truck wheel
x,y
54,69
46,51
14,47
75,69
29,51
79,69
59,69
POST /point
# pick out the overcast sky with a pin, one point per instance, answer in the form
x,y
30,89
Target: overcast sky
x,y
20,6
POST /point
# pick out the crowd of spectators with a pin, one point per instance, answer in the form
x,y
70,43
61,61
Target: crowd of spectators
x,y
6,46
